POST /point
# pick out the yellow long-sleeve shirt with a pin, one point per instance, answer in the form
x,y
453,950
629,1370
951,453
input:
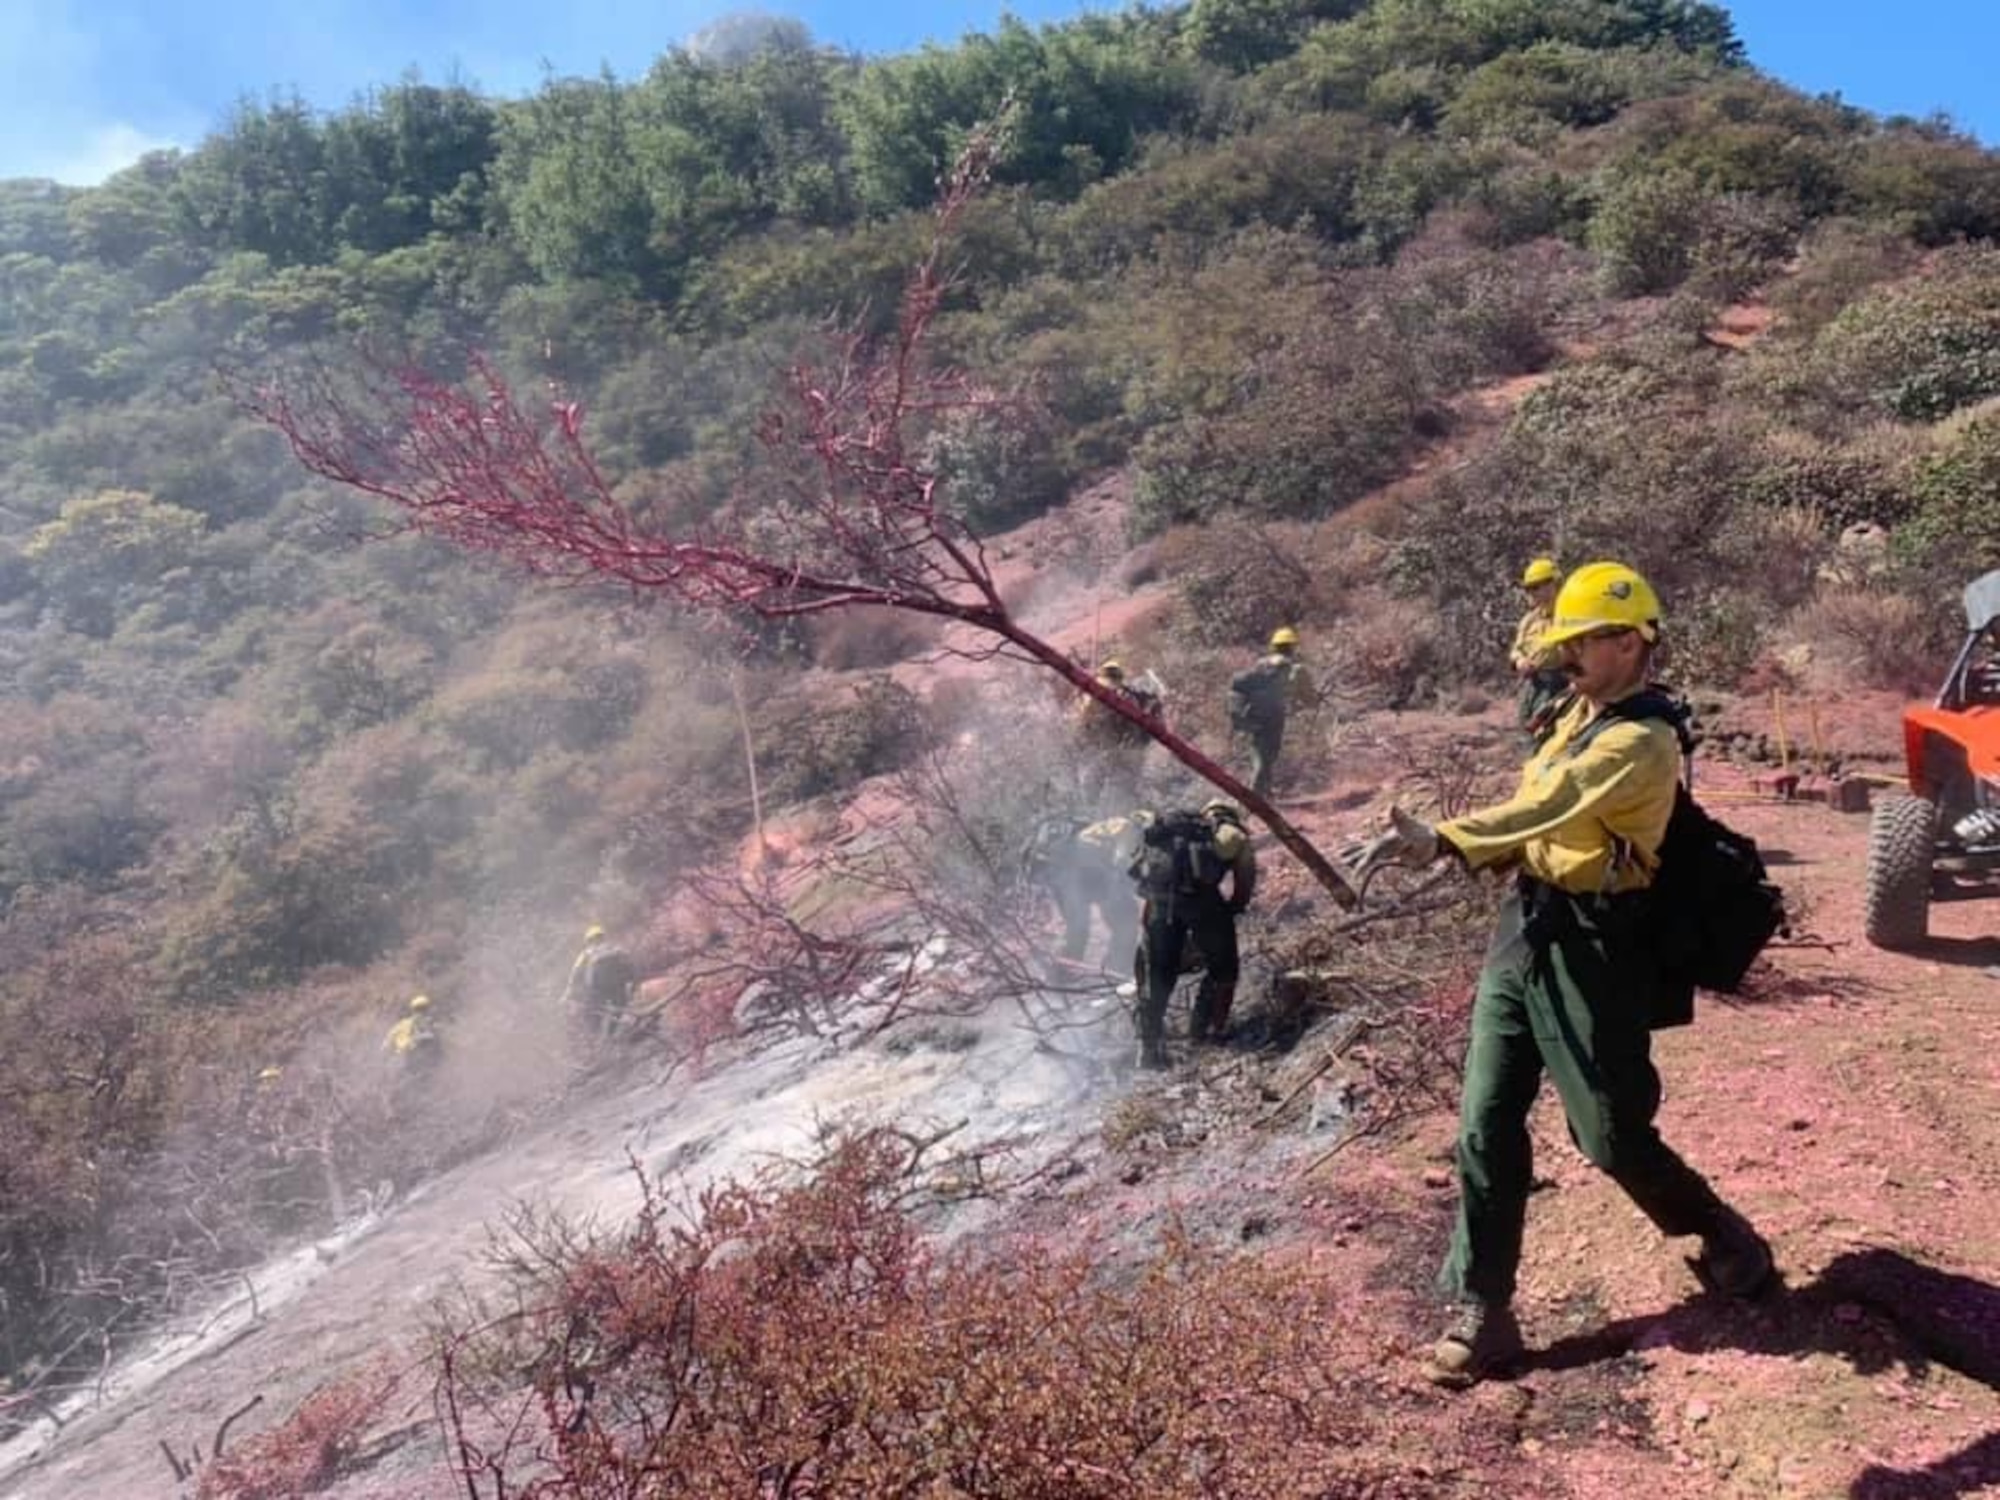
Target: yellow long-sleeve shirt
x,y
1528,654
408,1035
1584,821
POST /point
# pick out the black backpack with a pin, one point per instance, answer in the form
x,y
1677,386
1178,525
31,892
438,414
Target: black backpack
x,y
610,977
1714,907
1257,694
1177,857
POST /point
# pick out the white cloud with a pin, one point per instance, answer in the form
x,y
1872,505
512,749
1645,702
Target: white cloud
x,y
102,150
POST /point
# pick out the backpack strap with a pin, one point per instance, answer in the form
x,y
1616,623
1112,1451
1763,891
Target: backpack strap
x,y
1646,704
1649,703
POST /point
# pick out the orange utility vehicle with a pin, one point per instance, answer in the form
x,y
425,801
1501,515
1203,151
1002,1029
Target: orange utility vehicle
x,y
1943,840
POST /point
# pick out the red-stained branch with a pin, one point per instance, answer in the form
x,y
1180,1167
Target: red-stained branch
x,y
853,515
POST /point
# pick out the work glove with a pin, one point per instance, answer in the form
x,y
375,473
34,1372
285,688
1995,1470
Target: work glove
x,y
1409,841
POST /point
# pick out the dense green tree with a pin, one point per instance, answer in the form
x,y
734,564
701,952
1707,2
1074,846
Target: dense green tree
x,y
407,161
33,218
1243,35
105,553
1079,99
259,184
566,181
132,215
726,146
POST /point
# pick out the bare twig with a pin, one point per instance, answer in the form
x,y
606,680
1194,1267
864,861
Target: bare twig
x,y
222,1432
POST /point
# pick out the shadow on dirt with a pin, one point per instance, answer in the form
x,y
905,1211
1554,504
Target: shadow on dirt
x,y
1768,984
1964,953
1920,1315
1877,1309
1968,1471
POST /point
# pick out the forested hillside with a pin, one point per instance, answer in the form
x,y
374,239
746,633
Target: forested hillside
x,y
260,782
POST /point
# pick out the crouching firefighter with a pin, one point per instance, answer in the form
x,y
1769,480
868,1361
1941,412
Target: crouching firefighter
x,y
1182,861
598,992
1584,965
1081,866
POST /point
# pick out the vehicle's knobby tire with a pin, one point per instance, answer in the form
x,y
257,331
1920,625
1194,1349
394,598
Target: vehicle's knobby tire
x,y
1902,840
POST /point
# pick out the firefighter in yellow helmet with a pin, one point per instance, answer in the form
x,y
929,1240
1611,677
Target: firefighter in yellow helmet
x,y
599,990
1111,749
1180,864
1544,688
414,1043
1261,698
1571,985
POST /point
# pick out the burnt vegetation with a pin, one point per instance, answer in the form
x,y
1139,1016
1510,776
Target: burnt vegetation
x,y
1250,261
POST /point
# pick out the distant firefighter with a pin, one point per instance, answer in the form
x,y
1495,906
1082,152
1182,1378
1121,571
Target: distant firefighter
x,y
1261,698
1112,749
414,1042
599,991
1544,688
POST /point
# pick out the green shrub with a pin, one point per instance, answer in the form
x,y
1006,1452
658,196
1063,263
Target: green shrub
x,y
84,822
1631,456
1520,196
807,749
1335,388
1917,350
1933,185
1954,533
1236,582
108,553
1317,430
1879,639
1842,485
1744,238
283,898
1839,261
1646,230
1291,173
1521,93
998,468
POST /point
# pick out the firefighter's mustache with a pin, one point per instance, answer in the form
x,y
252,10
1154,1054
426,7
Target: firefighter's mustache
x,y
1571,669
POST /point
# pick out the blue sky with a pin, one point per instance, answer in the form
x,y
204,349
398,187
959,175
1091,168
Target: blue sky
x,y
86,85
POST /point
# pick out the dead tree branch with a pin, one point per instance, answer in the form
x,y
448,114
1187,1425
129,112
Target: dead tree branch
x,y
851,515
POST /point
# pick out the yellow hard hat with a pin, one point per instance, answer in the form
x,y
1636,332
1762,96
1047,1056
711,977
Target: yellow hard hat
x,y
420,1002
1113,670
592,933
1541,570
270,1075
1221,807
1284,636
1603,596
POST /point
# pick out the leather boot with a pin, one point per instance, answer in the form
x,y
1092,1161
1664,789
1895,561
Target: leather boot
x,y
1735,1260
1210,1022
1479,1342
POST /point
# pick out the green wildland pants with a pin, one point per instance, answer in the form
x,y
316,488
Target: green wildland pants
x,y
1267,738
1540,703
1565,988
1208,922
